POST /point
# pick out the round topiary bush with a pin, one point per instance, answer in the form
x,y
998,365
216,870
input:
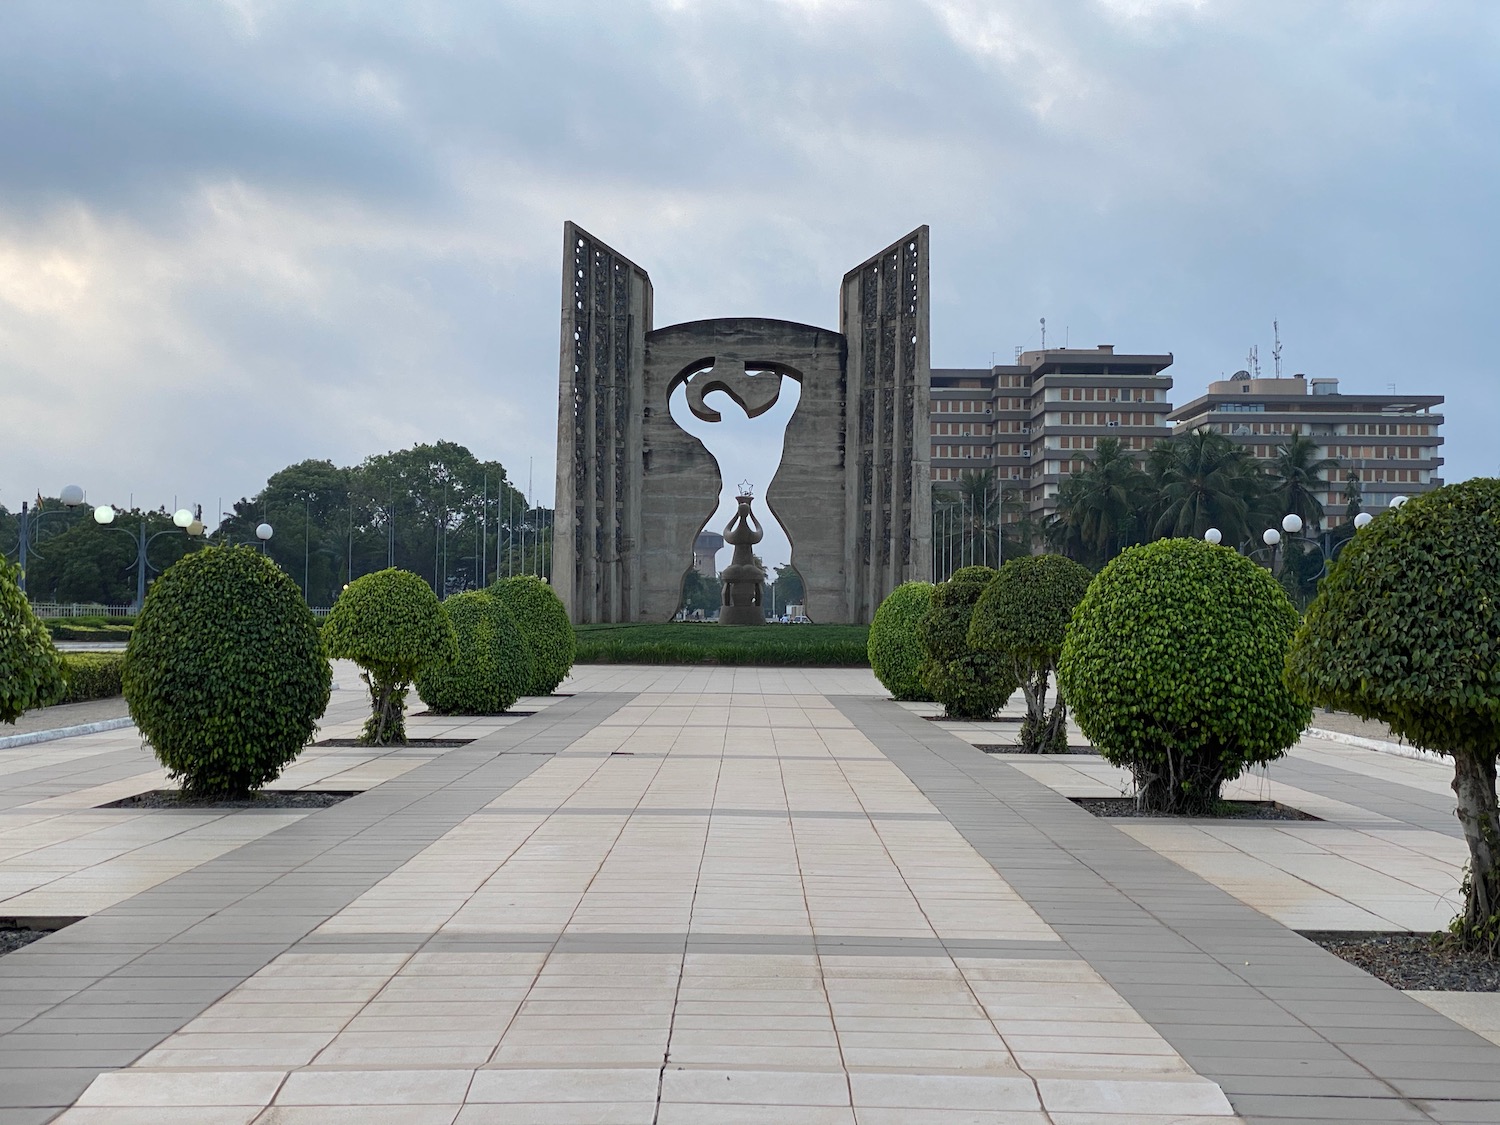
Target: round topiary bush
x,y
493,662
1406,629
31,671
225,674
1173,668
545,626
968,683
1020,621
392,625
894,648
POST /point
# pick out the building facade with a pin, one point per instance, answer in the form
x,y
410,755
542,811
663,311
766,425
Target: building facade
x,y
1390,443
1033,422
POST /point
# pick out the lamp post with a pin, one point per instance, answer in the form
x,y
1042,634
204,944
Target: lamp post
x,y
72,497
1291,526
184,520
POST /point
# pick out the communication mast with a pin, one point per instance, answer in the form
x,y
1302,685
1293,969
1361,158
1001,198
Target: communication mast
x,y
1252,361
1276,351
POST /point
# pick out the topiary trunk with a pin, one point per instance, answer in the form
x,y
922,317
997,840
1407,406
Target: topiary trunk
x,y
1042,732
1174,783
1474,784
386,725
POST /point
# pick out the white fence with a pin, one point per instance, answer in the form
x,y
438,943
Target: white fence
x,y
81,609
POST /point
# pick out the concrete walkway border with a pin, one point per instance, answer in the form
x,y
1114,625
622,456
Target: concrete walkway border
x,y
53,735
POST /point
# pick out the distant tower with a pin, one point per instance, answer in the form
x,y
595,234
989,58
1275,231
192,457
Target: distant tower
x,y
1276,351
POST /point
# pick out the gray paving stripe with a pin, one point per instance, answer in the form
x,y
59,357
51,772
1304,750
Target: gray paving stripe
x,y
1417,807
1227,986
831,945
56,778
775,814
101,993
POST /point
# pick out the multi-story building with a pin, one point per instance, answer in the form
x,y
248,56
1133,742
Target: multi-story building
x,y
1033,421
1389,442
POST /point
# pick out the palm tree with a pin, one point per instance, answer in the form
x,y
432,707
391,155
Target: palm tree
x,y
966,521
1209,482
1298,474
1099,505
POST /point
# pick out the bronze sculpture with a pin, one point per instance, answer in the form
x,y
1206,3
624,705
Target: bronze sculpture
x,y
744,578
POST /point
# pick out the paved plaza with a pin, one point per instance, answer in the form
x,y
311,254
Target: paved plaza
x,y
687,896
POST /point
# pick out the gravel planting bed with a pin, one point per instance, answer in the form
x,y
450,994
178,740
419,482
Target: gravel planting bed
x,y
12,940
1230,810
1011,748
1411,961
410,743
265,799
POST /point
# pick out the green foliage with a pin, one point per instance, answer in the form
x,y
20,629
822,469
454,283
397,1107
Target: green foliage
x,y
93,675
1172,665
1020,621
89,628
545,627
701,593
968,683
493,661
31,675
834,646
1406,629
895,648
224,674
77,560
392,625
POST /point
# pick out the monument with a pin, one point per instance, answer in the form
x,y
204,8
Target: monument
x,y
634,489
744,578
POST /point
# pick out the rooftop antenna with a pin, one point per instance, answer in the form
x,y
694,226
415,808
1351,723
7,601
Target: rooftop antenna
x,y
1019,349
1044,333
1276,351
1067,335
1392,387
1252,361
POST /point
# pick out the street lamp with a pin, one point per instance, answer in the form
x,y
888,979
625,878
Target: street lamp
x,y
190,522
72,497
1213,535
263,533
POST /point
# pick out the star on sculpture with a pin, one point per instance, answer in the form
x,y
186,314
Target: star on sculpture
x,y
746,488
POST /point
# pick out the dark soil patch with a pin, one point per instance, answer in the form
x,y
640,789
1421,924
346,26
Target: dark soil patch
x,y
1005,748
18,933
407,745
1412,961
265,799
1016,720
451,715
1229,810
12,940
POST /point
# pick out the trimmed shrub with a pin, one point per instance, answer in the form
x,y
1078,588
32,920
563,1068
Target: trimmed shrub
x,y
1406,629
545,627
681,642
895,648
1020,622
31,673
224,673
93,675
968,683
392,625
1173,668
493,662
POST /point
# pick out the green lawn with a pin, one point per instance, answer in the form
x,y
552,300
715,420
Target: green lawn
x,y
840,646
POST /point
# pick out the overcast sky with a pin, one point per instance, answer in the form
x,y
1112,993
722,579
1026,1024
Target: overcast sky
x,y
236,235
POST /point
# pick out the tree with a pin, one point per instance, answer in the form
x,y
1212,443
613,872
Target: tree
x,y
31,672
1208,481
493,666
967,520
787,588
1099,504
1020,621
1406,629
1172,665
391,624
701,593
1297,473
894,646
225,673
544,625
967,682
81,561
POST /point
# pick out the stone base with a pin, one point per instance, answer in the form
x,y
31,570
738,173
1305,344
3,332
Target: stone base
x,y
742,615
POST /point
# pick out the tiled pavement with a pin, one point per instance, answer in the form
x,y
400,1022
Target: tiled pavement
x,y
687,895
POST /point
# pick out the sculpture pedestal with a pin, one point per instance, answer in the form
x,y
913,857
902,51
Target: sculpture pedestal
x,y
741,615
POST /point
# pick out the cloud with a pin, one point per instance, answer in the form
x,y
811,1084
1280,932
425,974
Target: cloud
x,y
235,236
